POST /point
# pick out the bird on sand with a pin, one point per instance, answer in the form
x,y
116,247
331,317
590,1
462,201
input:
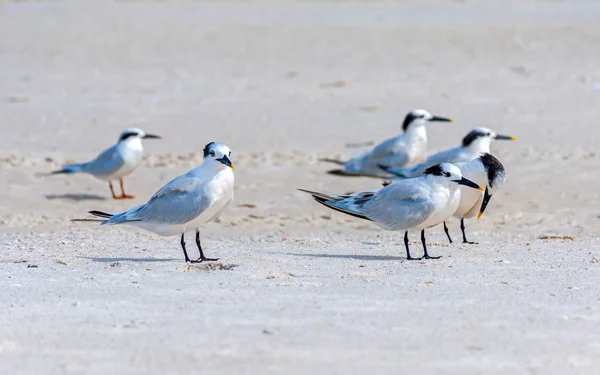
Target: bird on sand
x,y
486,171
115,162
416,203
475,143
398,152
185,203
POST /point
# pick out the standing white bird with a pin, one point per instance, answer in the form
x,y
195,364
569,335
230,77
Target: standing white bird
x,y
407,148
473,144
486,171
115,162
185,203
416,203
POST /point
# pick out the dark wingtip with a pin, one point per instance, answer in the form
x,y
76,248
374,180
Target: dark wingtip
x,y
339,172
387,168
60,171
384,167
100,214
334,161
319,199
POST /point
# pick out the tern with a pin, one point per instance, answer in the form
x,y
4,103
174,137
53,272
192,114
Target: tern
x,y
407,148
416,203
486,171
473,144
185,203
115,162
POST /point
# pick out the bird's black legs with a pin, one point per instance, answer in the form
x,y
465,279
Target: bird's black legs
x,y
447,233
202,257
462,228
187,259
408,257
426,256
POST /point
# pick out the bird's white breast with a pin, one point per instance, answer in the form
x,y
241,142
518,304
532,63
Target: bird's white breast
x,y
220,192
131,151
446,198
471,199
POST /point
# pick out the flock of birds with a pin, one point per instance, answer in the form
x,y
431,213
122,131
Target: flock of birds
x,y
420,192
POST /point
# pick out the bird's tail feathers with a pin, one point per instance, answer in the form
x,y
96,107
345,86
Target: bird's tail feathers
x,y
334,205
105,215
340,172
106,218
334,161
331,201
70,168
322,196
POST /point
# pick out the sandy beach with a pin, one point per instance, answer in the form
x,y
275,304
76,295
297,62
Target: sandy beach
x,y
298,289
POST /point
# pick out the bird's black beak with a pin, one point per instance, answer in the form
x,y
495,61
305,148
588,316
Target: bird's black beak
x,y
469,183
505,137
151,136
441,119
225,160
484,203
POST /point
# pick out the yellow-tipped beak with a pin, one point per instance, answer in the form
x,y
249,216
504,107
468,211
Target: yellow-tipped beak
x,y
451,120
479,215
232,166
480,188
513,138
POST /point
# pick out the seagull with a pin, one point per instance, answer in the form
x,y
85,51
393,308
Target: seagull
x,y
407,148
415,203
486,171
115,162
473,144
185,203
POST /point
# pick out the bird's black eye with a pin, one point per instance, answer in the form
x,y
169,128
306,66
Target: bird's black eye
x,y
229,153
212,153
447,174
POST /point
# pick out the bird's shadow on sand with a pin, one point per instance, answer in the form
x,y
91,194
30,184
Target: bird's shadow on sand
x,y
349,256
113,260
75,197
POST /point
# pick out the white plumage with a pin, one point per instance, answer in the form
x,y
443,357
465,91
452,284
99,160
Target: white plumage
x,y
416,203
473,144
187,202
407,148
115,162
486,171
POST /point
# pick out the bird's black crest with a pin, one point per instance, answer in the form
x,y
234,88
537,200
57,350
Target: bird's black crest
x,y
124,136
410,117
207,148
472,136
493,167
436,170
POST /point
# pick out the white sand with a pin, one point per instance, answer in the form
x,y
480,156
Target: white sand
x,y
301,290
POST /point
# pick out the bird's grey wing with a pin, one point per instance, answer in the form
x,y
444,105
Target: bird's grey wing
x,y
107,163
399,206
355,165
391,153
178,202
447,156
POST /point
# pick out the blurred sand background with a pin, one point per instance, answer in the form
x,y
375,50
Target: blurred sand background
x,y
298,289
